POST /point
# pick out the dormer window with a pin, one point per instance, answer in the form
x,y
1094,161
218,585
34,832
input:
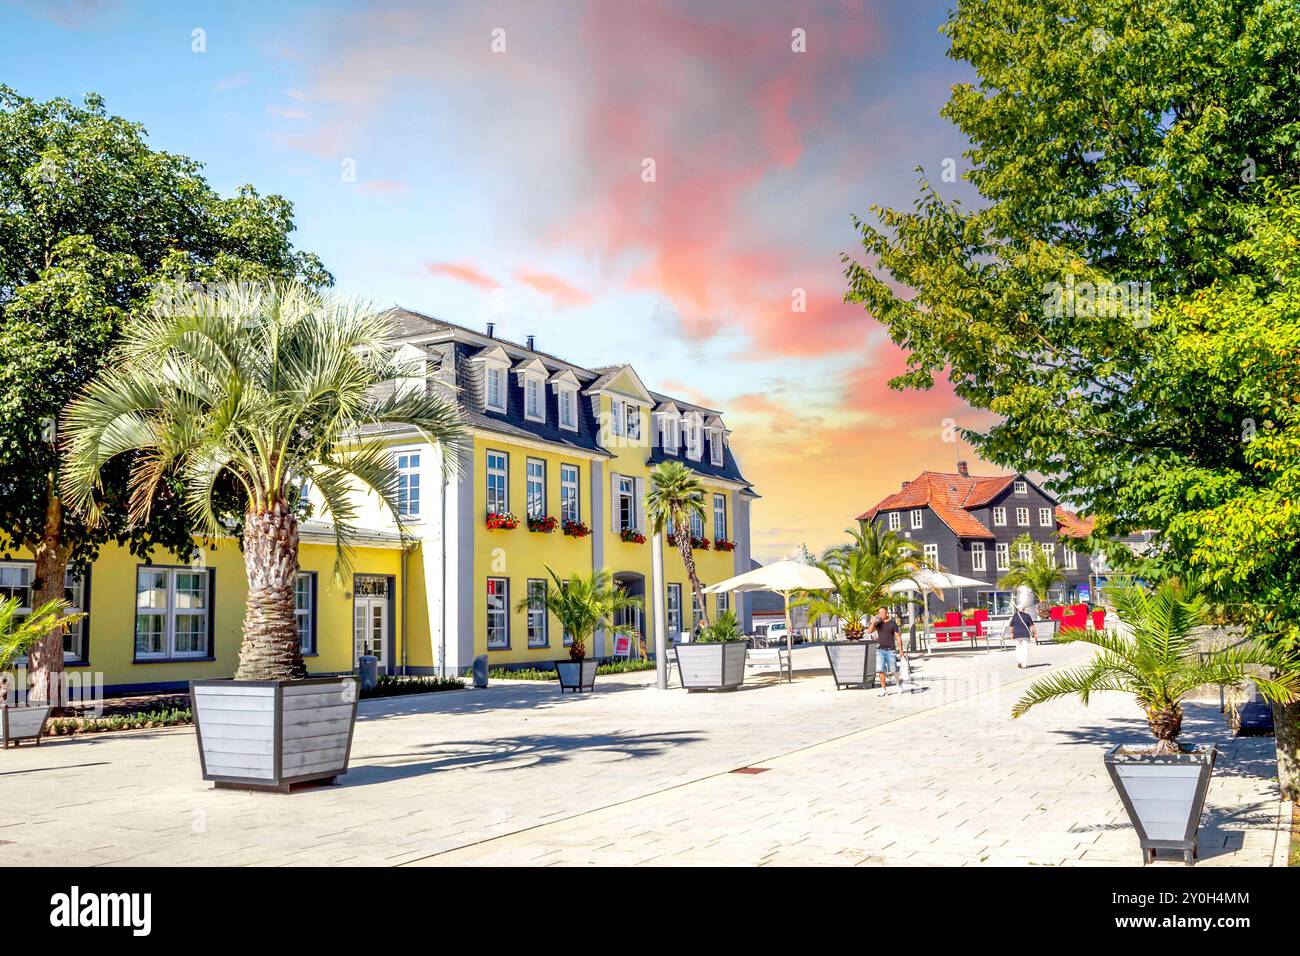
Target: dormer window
x,y
693,436
494,389
566,387
1020,487
633,422
669,426
533,409
715,446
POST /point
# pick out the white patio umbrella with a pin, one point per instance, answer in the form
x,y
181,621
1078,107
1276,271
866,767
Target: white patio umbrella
x,y
783,578
931,580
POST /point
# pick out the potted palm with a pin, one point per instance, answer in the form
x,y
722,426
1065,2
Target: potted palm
x,y
716,659
676,494
581,604
1156,660
17,635
239,395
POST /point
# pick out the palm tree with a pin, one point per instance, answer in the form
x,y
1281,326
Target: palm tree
x,y
18,633
676,494
241,395
581,604
1038,571
1159,663
862,573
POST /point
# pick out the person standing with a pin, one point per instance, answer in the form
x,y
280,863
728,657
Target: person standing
x,y
885,631
1022,630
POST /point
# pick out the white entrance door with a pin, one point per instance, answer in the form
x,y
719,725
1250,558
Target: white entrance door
x,y
370,620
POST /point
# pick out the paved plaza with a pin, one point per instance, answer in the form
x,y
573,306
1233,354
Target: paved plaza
x,y
517,774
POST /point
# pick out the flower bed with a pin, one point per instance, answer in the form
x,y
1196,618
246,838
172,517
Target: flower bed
x,y
544,524
576,529
632,536
395,686
502,521
699,544
68,726
722,544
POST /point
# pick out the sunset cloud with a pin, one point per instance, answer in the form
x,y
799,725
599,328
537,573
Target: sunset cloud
x,y
559,291
461,272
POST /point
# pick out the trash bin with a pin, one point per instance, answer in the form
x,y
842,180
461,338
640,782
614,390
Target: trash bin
x,y
368,670
480,671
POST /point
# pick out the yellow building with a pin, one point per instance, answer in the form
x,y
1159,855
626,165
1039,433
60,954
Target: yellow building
x,y
559,448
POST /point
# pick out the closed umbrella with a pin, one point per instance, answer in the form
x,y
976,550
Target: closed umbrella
x,y
783,578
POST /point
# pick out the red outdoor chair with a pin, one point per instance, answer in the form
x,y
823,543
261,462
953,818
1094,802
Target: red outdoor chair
x,y
981,616
1099,619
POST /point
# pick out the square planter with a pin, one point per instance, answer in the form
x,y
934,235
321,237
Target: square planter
x,y
576,675
853,664
711,666
271,735
1164,796
22,723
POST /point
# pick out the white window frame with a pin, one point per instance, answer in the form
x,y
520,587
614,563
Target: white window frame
x,y
74,592
617,416
304,612
534,477
999,517
1049,549
895,520
406,461
693,438
715,446
977,556
170,613
534,398
697,525
719,517
1071,558
918,518
494,372
1025,552
626,493
538,618
502,612
1045,518
566,400
1003,554
570,492
723,603
931,554
669,428
1022,517
1020,487
673,608
503,471
632,422
697,609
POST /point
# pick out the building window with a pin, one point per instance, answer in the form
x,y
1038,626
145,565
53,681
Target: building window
x,y
498,479
569,505
1049,549
674,610
1071,558
668,434
408,484
692,434
895,520
1020,487
697,525
567,400
715,447
1022,517
304,610
533,409
697,609
626,504
171,613
617,415
917,517
1045,517
1023,552
633,421
537,613
16,580
720,516
977,556
931,555
999,517
494,388
535,487
498,613
724,604
1004,557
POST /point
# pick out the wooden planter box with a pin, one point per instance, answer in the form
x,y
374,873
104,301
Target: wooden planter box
x,y
853,664
22,723
711,666
270,735
576,675
1164,796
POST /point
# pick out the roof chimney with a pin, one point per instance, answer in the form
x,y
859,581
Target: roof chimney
x,y
492,330
904,485
963,469
529,343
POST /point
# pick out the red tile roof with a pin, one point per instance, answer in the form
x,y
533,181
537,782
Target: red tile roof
x,y
1071,525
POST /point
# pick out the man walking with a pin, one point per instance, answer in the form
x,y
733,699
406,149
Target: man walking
x,y
885,631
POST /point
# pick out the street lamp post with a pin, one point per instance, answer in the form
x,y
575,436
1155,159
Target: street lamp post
x,y
661,625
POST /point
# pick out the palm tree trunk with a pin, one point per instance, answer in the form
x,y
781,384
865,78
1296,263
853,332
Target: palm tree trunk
x,y
270,650
45,658
688,558
1166,723
1286,727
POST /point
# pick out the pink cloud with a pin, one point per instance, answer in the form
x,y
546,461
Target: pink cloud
x,y
461,272
559,291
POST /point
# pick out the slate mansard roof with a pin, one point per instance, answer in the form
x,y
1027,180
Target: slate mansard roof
x,y
450,351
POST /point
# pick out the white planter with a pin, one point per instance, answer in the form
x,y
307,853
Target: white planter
x,y
1164,796
853,664
22,723
711,666
271,735
576,675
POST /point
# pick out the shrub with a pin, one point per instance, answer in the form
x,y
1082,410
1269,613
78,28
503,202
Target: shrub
x,y
390,686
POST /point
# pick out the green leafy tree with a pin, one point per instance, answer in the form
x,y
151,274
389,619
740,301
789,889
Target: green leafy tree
x,y
581,603
1157,660
92,221
1117,294
1039,572
265,388
676,493
19,632
862,573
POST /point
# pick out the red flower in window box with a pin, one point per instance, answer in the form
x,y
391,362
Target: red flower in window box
x,y
699,544
543,525
502,521
632,536
576,529
722,544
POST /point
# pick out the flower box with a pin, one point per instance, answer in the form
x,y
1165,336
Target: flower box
x,y
699,544
722,544
502,521
632,536
576,529
544,524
